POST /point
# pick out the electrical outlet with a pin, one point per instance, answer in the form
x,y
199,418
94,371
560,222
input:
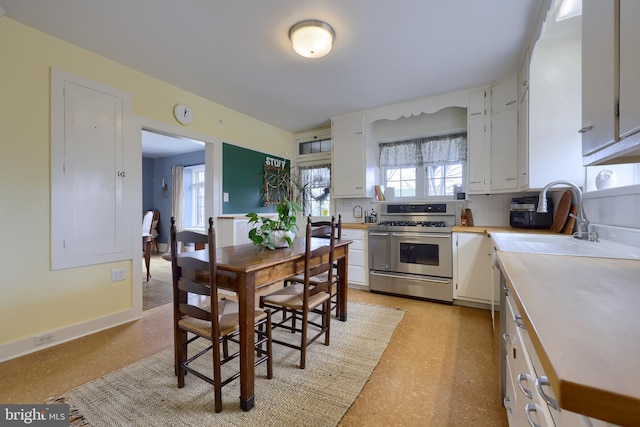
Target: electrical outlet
x,y
118,274
45,338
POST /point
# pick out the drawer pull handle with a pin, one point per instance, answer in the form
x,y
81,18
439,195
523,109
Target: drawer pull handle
x,y
506,402
544,381
507,338
529,408
521,378
518,319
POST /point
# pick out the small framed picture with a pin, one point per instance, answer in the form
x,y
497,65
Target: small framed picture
x,y
357,212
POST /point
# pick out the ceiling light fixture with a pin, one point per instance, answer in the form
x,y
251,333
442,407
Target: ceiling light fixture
x,y
312,38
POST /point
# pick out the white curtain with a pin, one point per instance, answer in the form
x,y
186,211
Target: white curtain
x,y
436,149
177,195
177,203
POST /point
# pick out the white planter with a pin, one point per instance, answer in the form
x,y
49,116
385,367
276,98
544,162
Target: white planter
x,y
278,238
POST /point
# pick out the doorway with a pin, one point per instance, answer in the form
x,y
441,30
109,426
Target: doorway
x,y
161,154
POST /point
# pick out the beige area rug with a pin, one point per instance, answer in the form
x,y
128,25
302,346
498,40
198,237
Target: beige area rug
x,y
145,393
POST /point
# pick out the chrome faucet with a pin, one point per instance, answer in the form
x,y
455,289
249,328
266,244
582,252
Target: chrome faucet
x,y
581,219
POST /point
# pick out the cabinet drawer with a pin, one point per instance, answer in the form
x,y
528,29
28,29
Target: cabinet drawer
x,y
357,275
357,245
356,257
353,234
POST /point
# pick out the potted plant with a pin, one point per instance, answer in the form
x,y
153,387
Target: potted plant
x,y
275,233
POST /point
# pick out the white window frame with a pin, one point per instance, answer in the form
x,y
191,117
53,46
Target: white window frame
x,y
421,181
195,187
314,159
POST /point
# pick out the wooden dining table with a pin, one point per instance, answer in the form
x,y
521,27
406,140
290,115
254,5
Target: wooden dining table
x,y
256,267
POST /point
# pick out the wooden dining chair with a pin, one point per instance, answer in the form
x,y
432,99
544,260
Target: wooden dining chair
x,y
198,314
298,300
322,229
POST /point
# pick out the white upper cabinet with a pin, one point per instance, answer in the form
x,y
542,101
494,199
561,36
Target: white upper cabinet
x,y
599,71
477,104
504,150
523,76
629,68
504,136
347,126
354,159
504,95
610,91
478,142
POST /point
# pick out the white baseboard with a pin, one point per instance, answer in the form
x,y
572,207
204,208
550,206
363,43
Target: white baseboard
x,y
25,346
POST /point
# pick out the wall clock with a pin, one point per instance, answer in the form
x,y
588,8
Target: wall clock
x,y
183,114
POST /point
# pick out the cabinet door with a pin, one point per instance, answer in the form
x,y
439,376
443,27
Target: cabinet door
x,y
629,67
474,273
523,142
599,75
89,189
504,95
477,149
347,126
523,77
348,163
477,104
504,150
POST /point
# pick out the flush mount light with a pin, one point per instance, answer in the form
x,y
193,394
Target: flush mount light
x,y
311,38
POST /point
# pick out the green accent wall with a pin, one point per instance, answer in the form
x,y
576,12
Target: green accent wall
x,y
243,178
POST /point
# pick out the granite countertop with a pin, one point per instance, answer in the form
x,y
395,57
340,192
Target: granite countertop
x,y
583,319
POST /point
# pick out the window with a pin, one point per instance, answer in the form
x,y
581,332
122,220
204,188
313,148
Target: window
x,y
443,177
313,172
425,167
312,147
194,196
316,196
402,180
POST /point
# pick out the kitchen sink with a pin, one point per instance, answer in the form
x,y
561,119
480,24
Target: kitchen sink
x,y
562,244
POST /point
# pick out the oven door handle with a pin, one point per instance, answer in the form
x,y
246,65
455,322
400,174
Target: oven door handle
x,y
418,235
397,276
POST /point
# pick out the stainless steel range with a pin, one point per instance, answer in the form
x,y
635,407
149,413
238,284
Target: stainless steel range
x,y
410,250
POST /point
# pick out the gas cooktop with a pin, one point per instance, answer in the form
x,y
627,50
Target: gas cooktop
x,y
413,223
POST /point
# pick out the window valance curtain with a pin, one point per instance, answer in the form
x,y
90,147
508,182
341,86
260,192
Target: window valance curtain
x,y
436,149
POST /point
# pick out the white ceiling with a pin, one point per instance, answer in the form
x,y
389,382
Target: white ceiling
x,y
156,145
237,52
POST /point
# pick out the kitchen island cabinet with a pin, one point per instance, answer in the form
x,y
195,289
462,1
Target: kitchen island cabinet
x,y
581,317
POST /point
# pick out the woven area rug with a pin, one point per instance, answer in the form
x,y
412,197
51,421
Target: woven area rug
x,y
145,393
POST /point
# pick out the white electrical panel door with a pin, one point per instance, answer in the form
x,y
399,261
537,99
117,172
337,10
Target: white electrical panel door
x,y
88,179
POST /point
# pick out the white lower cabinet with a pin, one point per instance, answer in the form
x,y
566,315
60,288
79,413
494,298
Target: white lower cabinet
x,y
358,272
529,400
472,263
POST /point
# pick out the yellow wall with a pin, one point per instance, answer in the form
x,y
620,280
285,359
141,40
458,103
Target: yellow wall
x,y
33,299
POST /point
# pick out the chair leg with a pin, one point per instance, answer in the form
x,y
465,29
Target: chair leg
x,y
180,344
327,321
303,340
269,347
217,381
